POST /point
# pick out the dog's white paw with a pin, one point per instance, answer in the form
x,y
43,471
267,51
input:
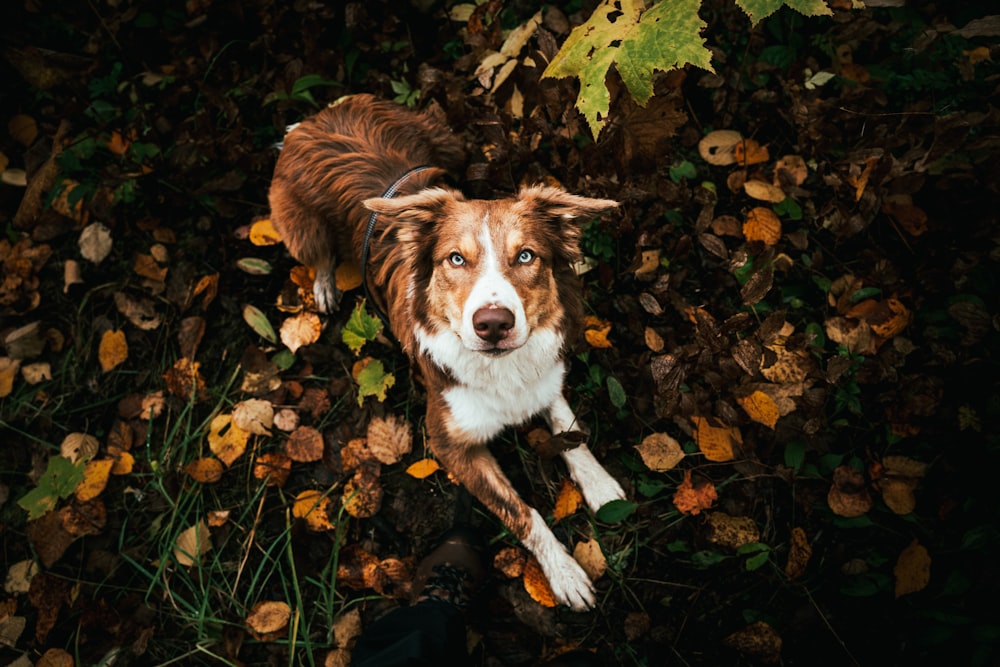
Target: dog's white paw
x,y
569,583
597,486
326,293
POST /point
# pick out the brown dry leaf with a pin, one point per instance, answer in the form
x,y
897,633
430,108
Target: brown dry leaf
x,y
87,518
637,623
79,447
268,620
354,453
36,373
591,558
206,470
227,440
510,561
55,657
19,576
911,218
389,438
730,531
273,467
848,496
8,371
761,408
717,443
147,267
23,129
346,629
763,191
113,349
649,264
347,276
660,452
49,539
758,641
794,166
860,180
263,233
717,147
568,500
95,479
254,415
300,330
363,493
537,584
192,544
192,330
184,380
856,336
305,445
762,224
356,568
799,553
314,508
152,405
898,481
912,569
423,468
692,500
654,341
209,286
790,366
596,332
749,151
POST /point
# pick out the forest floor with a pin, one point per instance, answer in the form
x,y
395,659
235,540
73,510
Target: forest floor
x,y
797,390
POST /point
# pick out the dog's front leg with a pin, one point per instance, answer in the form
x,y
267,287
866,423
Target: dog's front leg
x,y
479,472
597,486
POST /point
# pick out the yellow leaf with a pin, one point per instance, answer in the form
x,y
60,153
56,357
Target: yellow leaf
x,y
302,329
227,440
660,452
95,478
206,470
192,543
912,570
596,332
263,233
568,500
8,371
124,461
761,408
347,276
716,442
113,349
312,506
423,468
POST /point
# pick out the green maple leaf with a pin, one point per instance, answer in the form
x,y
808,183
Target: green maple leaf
x,y
59,480
761,9
360,328
636,42
374,381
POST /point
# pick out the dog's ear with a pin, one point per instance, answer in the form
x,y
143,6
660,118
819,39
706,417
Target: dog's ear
x,y
548,201
425,206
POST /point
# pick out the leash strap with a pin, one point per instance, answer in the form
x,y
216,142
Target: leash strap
x,y
370,231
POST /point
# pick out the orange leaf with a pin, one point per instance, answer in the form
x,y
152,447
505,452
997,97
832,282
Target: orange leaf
x,y
749,151
263,233
423,468
716,442
305,445
347,276
912,570
537,584
113,349
596,332
761,408
691,500
363,493
762,224
568,500
124,461
209,286
95,478
273,467
312,506
206,470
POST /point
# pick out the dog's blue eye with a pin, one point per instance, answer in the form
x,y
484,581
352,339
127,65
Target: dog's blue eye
x,y
456,259
525,257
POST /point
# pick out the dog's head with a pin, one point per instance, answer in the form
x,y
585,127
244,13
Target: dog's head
x,y
488,271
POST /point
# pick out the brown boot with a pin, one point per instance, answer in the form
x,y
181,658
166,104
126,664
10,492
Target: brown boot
x,y
454,571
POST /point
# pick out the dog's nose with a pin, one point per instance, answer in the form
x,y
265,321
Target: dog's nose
x,y
493,324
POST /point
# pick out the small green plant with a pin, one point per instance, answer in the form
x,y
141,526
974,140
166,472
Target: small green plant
x,y
405,93
302,90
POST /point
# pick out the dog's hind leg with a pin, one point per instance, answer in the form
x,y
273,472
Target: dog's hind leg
x,y
597,486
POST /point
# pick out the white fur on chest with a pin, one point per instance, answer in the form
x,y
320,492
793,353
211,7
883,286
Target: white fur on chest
x,y
496,392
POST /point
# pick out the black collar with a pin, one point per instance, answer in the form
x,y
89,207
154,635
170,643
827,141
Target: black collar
x,y
370,230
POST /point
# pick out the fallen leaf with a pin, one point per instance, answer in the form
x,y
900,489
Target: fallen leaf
x,y
537,584
750,151
84,518
263,233
268,620
762,224
848,496
95,479
305,445
912,569
254,415
37,373
258,321
596,332
124,461
140,310
95,242
206,470
763,191
591,558
758,641
8,371
113,349
761,408
184,380
423,468
568,500
313,507
274,468
660,452
79,447
794,166
347,276
23,129
898,481
19,575
654,341
362,496
389,438
718,147
372,379
192,544
799,553
717,443
227,440
55,657
729,531
147,267
692,500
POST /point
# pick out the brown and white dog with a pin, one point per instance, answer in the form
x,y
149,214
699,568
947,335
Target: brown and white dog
x,y
480,294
